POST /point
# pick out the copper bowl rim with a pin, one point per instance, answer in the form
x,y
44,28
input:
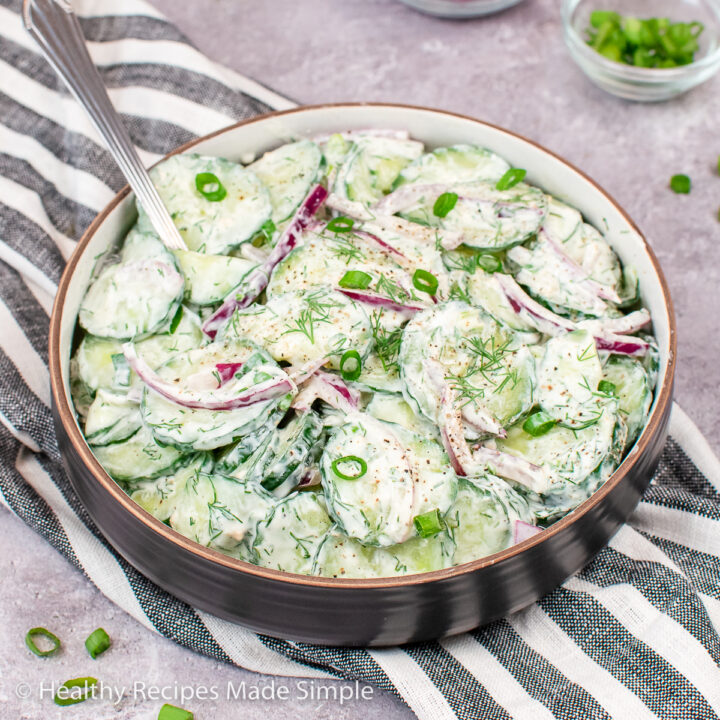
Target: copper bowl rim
x,y
66,412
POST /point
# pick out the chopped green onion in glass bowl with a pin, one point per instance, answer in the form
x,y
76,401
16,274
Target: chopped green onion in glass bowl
x,y
631,81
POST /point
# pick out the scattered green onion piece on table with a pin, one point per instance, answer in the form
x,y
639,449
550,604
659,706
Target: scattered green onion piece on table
x,y
69,698
209,186
349,459
718,165
680,184
511,178
538,424
341,224
425,281
428,524
170,712
355,280
444,204
42,632
489,263
352,356
605,386
97,642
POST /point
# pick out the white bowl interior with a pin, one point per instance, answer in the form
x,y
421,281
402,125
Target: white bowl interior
x,y
436,129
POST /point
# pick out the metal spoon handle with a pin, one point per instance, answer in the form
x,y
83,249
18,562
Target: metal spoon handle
x,y
55,27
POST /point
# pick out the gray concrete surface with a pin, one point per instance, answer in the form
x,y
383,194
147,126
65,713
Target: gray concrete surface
x,y
511,69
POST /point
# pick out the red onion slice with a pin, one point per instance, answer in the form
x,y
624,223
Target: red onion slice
x,y
225,397
512,467
330,389
372,298
578,272
523,530
256,281
349,208
227,371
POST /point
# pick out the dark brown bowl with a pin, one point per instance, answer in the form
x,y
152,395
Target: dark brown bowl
x,y
379,611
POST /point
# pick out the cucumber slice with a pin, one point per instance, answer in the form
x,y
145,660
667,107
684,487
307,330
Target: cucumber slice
x,y
220,512
562,221
490,369
284,457
111,418
233,456
324,259
199,428
435,483
589,249
101,363
288,172
209,278
210,227
568,378
633,392
373,165
568,456
288,538
334,151
160,496
344,557
548,278
484,290
142,245
456,164
140,456
298,327
481,520
132,300
490,219
374,506
379,376
392,408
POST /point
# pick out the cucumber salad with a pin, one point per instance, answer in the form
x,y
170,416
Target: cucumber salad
x,y
373,359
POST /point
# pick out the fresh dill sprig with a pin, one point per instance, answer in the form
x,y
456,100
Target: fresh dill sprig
x,y
388,287
387,342
316,311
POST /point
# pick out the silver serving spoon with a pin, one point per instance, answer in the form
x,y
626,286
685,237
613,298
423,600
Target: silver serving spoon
x,y
55,27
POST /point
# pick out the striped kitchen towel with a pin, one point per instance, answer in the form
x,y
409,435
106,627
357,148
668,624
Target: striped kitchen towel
x,y
634,635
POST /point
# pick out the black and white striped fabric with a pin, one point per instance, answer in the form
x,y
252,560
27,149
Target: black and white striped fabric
x,y
634,635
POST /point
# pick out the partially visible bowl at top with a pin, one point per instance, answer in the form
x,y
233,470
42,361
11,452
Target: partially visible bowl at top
x,y
639,83
460,8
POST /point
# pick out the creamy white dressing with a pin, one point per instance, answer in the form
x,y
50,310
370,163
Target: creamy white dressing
x,y
404,437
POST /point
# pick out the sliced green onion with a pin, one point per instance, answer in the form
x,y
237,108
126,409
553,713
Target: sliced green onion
x,y
170,712
718,165
607,387
510,179
355,280
444,204
97,642
428,524
209,186
64,698
489,263
32,633
425,281
680,184
349,459
268,230
341,224
354,373
539,423
177,318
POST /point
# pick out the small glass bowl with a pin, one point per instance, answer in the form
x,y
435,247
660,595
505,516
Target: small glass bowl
x,y
460,8
637,83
